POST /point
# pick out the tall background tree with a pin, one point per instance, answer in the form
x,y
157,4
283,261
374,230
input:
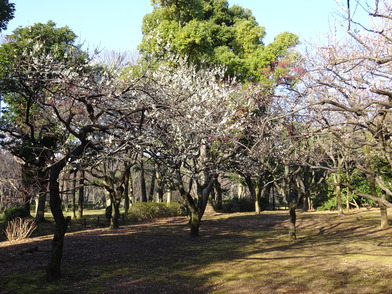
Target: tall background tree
x,y
214,33
6,13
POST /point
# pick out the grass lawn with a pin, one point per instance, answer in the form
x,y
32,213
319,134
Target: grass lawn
x,y
235,253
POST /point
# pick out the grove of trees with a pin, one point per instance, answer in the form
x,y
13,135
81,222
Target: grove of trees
x,y
207,105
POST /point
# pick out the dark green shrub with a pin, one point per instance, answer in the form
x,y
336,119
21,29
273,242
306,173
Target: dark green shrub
x,y
246,205
330,204
15,211
147,211
238,205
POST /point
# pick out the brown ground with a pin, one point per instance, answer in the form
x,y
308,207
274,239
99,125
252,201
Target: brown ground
x,y
236,253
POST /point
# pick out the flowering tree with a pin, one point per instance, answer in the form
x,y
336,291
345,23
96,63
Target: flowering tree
x,y
60,105
353,93
22,84
195,119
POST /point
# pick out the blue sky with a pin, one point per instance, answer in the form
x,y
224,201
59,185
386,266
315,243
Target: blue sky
x,y
116,24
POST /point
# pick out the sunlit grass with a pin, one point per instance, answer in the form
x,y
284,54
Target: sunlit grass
x,y
240,253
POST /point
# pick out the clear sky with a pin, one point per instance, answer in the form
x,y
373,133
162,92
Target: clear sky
x,y
116,24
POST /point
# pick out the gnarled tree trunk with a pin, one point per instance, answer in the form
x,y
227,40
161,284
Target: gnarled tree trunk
x,y
53,270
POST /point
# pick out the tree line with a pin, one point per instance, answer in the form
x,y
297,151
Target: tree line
x,y
207,100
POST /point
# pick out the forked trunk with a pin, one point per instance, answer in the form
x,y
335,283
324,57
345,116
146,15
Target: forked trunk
x,y
116,200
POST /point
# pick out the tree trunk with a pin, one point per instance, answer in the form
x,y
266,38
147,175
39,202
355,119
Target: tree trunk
x,y
160,188
143,181
292,221
128,189
66,193
114,221
195,215
168,195
384,214
41,197
73,194
152,186
204,192
347,200
338,193
252,191
273,199
40,207
81,195
258,191
53,270
195,223
27,204
41,201
219,194
240,190
265,195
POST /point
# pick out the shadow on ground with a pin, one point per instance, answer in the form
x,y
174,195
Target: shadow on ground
x,y
236,253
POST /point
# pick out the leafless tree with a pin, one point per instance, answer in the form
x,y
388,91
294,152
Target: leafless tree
x,y
351,85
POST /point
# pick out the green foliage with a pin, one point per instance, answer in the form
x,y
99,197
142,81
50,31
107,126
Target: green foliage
x,y
328,204
14,212
147,211
6,13
212,33
41,38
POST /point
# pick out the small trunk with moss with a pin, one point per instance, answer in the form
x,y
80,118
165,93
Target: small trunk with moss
x,y
292,221
116,199
195,223
114,220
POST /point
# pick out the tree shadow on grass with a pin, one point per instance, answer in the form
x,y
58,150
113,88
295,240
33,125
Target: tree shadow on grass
x,y
161,257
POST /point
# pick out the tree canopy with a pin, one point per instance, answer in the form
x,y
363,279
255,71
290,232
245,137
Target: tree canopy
x,y
6,13
23,82
212,32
